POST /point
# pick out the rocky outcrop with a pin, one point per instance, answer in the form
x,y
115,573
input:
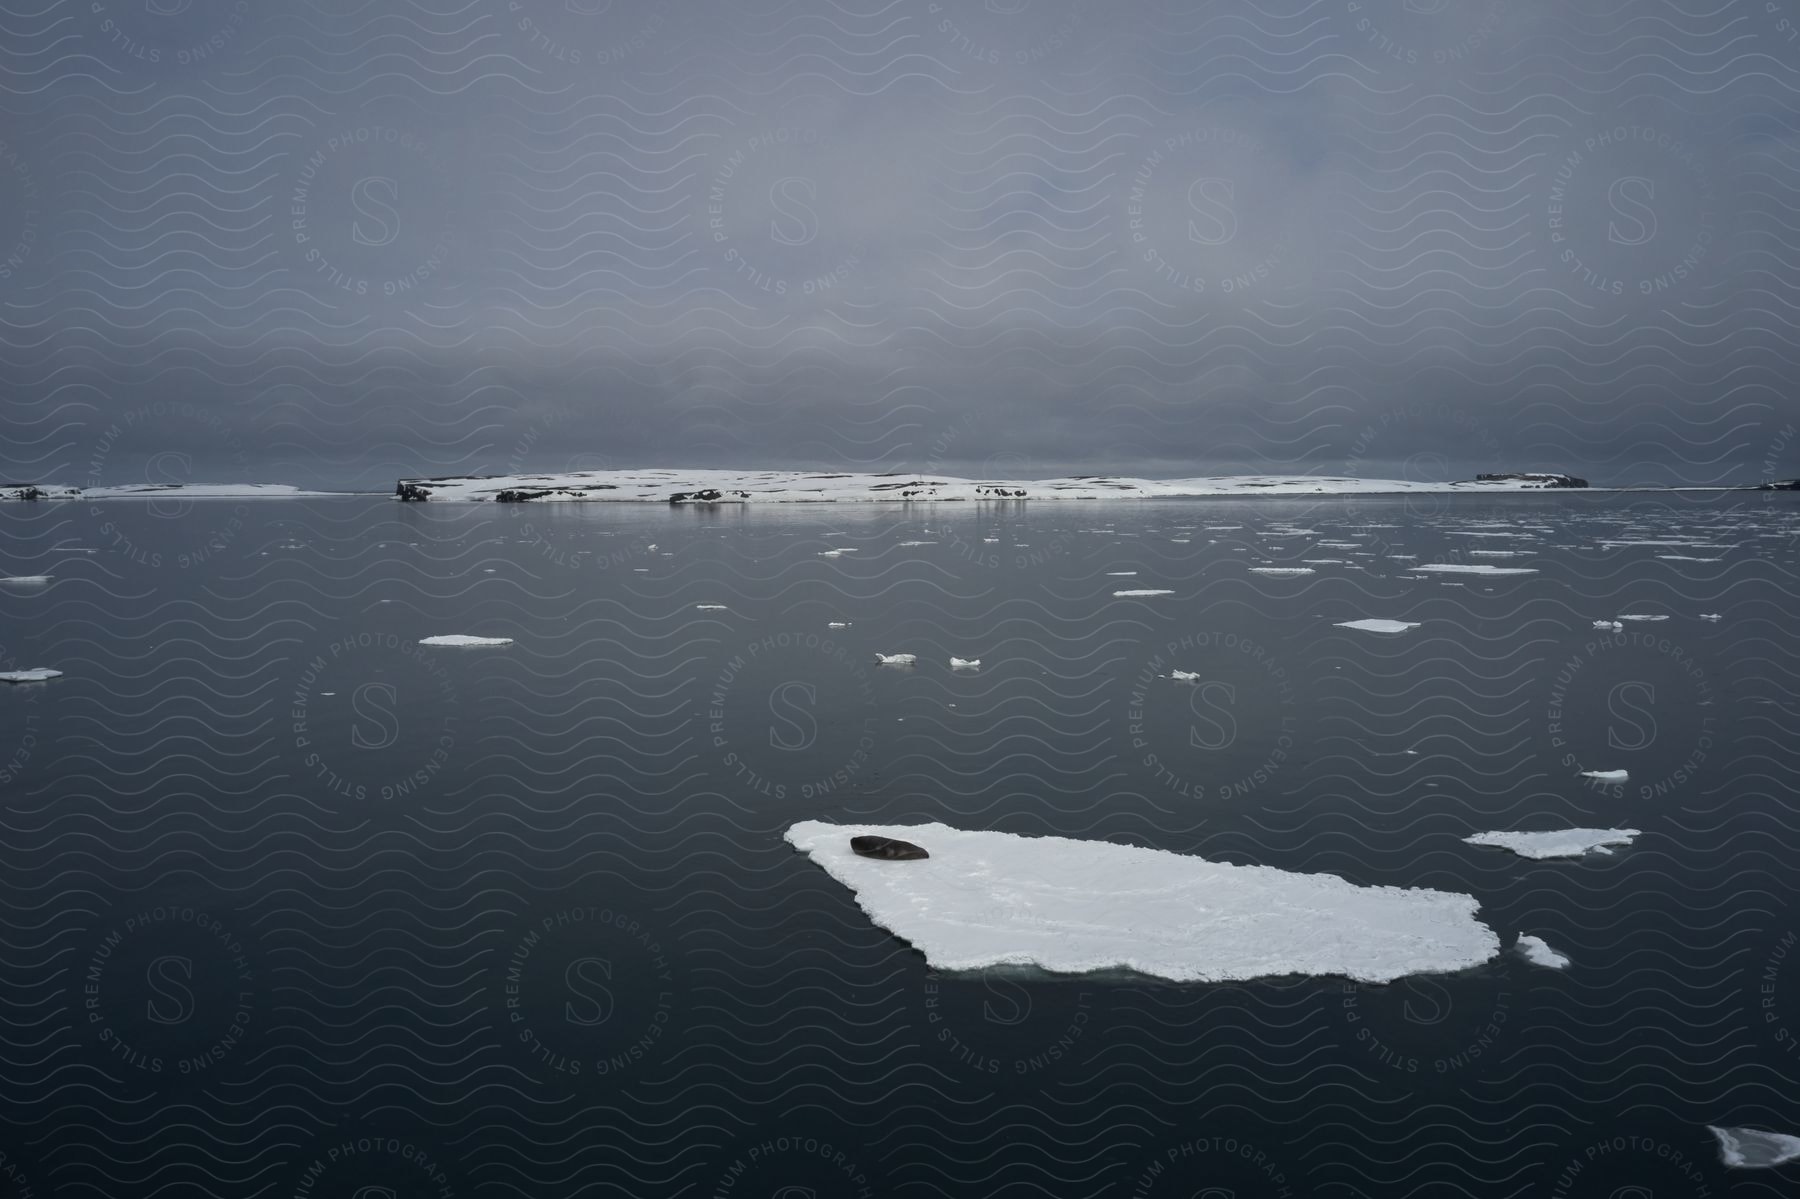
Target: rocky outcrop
x,y
1541,478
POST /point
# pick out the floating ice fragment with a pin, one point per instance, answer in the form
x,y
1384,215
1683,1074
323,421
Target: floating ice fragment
x,y
1184,676
1473,568
1557,843
37,674
1071,906
25,580
896,659
463,639
1643,617
1753,1149
1377,625
1541,954
1610,625
1281,570
964,663
837,624
1709,616
1151,591
709,607
1607,776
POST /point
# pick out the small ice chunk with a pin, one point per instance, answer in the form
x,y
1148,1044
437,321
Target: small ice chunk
x,y
464,639
1281,571
36,674
1643,617
964,663
1072,906
1377,626
1151,591
1709,616
918,543
837,624
1610,625
1120,574
1472,568
896,659
1753,1149
1607,776
1540,954
709,607
1184,676
1557,843
25,580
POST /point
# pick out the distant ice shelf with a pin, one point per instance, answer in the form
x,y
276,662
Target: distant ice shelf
x,y
152,491
1074,906
799,487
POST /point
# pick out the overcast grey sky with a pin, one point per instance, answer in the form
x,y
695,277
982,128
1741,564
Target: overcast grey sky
x,y
332,243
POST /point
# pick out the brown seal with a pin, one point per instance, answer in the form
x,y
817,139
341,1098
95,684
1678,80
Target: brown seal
x,y
887,847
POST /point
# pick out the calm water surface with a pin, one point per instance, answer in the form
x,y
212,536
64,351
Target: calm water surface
x,y
295,906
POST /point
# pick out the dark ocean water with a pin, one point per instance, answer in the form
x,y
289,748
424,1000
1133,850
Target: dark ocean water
x,y
295,906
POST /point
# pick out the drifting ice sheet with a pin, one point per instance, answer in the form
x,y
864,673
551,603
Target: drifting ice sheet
x,y
1607,776
1070,906
1377,626
465,639
37,674
1753,1149
1559,843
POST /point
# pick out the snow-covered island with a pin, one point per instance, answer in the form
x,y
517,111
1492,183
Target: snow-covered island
x,y
1072,906
800,487
156,491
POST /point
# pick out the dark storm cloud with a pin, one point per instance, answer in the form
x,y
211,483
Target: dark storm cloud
x,y
1351,236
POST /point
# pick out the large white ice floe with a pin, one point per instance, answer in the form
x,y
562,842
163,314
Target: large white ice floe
x,y
794,487
965,663
1074,906
1753,1149
896,659
1557,843
1140,592
464,639
1607,776
37,674
1374,625
24,581
1540,954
